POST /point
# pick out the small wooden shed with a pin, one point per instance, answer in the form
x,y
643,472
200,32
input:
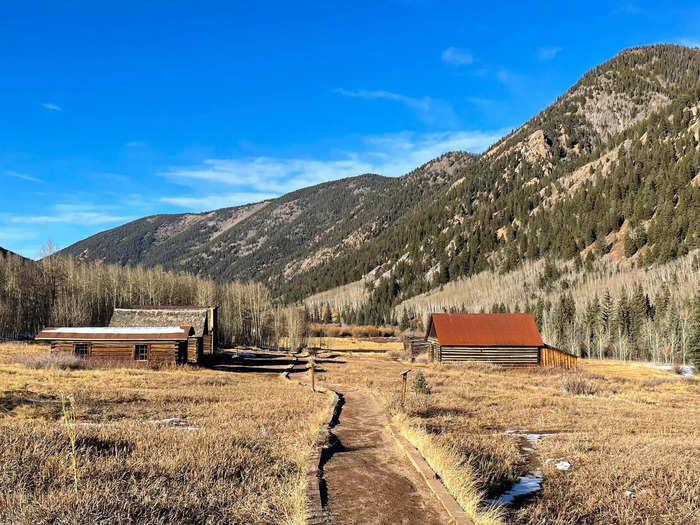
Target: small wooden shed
x,y
504,339
137,345
203,319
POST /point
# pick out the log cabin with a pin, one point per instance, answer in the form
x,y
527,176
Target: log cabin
x,y
503,339
142,346
147,335
202,319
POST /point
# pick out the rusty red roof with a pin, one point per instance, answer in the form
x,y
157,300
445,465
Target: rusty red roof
x,y
106,333
485,330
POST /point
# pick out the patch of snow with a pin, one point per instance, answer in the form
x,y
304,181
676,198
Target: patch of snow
x,y
685,370
172,421
563,465
524,486
532,437
630,494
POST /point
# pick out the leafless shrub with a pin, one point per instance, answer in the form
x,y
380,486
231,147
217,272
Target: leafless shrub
x,y
423,357
58,360
655,381
580,385
396,355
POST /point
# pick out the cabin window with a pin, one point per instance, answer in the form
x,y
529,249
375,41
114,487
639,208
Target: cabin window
x,y
141,353
81,349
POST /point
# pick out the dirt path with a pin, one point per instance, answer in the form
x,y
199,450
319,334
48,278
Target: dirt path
x,y
368,480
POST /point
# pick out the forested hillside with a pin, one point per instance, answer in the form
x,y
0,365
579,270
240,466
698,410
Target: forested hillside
x,y
609,170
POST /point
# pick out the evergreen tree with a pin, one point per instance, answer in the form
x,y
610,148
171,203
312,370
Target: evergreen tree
x,y
405,321
327,314
694,333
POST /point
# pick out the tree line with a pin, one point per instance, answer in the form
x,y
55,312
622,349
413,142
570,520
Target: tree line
x,y
61,291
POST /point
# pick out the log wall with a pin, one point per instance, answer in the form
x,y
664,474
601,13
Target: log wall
x,y
505,356
165,352
194,349
558,358
208,344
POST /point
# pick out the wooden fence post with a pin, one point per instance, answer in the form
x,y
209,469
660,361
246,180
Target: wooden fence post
x,y
404,375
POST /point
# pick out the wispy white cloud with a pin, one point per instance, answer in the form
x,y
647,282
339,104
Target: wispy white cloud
x,y
22,176
458,57
547,53
689,42
219,200
261,178
52,107
80,214
429,109
15,234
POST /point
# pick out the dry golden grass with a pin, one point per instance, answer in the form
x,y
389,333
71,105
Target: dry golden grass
x,y
640,432
237,456
352,343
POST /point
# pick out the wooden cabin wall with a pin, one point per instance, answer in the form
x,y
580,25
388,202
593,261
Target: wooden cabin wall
x,y
61,346
208,344
166,352
557,358
194,349
505,356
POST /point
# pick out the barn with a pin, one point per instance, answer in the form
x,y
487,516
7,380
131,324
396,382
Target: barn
x,y
147,335
504,339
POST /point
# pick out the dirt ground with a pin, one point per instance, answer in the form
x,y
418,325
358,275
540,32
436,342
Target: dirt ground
x,y
368,479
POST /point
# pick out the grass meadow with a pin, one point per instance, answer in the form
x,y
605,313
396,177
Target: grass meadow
x,y
179,445
631,434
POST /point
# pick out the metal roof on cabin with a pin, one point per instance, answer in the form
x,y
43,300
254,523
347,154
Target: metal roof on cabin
x,y
485,330
193,316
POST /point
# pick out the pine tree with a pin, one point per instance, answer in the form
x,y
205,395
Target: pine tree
x,y
694,333
606,312
405,322
327,314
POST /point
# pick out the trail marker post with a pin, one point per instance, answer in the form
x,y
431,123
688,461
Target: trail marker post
x,y
313,376
404,376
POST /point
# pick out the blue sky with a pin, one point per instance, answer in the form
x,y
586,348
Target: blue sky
x,y
114,111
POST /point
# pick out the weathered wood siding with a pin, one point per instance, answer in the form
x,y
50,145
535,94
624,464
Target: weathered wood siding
x,y
165,352
506,356
194,349
557,358
434,349
208,344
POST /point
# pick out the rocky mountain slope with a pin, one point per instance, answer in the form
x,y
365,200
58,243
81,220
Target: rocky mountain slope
x,y
609,169
272,240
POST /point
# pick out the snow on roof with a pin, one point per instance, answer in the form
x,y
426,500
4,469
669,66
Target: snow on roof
x,y
112,333
114,330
